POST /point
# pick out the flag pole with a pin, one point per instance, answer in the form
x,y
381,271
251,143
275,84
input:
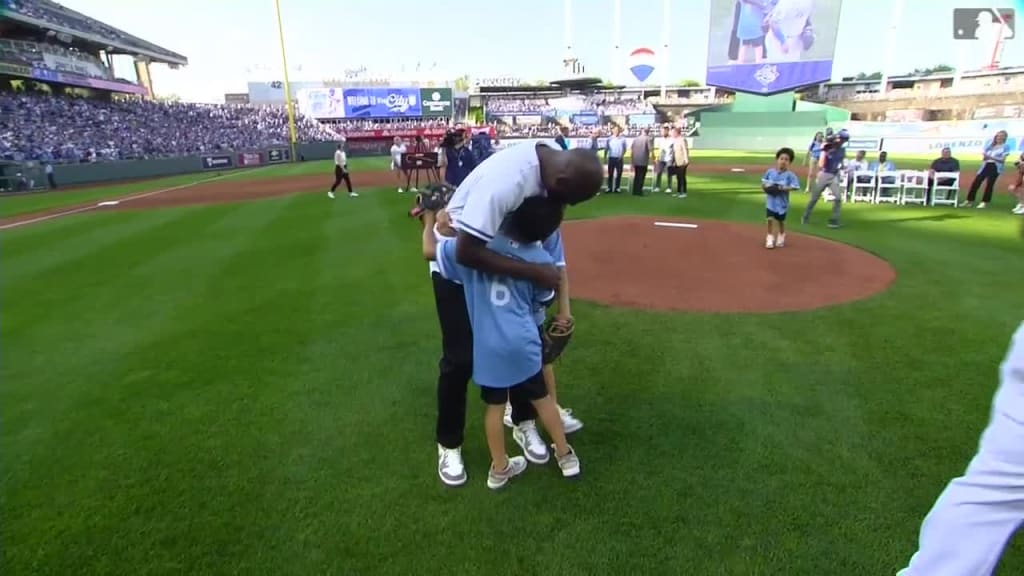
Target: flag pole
x,y
289,103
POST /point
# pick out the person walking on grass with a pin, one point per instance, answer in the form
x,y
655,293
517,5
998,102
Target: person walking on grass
x,y
341,172
830,163
993,161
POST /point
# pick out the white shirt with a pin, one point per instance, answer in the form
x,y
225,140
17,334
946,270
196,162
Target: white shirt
x,y
433,263
340,158
496,188
49,168
792,15
396,152
856,166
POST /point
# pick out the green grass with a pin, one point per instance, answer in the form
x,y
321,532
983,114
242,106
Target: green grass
x,y
249,389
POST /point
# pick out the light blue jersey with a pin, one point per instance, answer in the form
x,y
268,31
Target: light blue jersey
x,y
788,179
506,343
553,246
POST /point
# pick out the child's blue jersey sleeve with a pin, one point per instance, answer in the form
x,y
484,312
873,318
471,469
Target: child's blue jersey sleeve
x,y
553,246
446,263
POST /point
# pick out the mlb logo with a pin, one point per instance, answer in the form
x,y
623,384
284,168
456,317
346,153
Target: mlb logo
x,y
641,63
983,23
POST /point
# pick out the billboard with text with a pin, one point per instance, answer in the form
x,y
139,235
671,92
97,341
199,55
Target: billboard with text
x,y
436,102
382,102
771,46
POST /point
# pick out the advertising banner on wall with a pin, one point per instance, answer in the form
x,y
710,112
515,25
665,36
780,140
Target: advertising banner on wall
x,y
771,48
250,159
217,162
278,155
436,101
382,102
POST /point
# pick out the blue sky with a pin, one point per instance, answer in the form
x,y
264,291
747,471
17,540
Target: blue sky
x,y
231,42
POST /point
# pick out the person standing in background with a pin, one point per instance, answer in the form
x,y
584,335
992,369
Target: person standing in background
x,y
563,137
341,172
664,161
1017,188
680,161
616,151
640,152
397,149
993,162
48,168
813,155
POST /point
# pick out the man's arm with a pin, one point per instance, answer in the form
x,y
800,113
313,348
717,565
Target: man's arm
x,y
564,311
429,240
472,252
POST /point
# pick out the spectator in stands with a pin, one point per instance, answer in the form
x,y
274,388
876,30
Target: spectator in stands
x,y
640,153
944,163
883,164
616,152
993,162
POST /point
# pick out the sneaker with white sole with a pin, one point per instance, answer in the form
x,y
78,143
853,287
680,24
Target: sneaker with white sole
x,y
330,194
400,191
499,478
507,419
781,241
569,464
1019,209
353,195
965,203
450,467
569,422
982,205
526,435
769,242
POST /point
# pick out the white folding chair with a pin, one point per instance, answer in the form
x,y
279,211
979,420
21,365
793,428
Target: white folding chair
x,y
863,186
915,187
627,177
844,184
889,184
950,188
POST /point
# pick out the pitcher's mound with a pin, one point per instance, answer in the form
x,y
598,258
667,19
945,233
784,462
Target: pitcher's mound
x,y
715,267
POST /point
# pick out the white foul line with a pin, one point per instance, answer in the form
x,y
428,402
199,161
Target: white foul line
x,y
81,209
675,225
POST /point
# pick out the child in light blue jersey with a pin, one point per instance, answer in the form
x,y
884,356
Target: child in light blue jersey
x,y
507,359
777,183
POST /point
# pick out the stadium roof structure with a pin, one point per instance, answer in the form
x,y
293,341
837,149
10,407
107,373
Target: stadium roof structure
x,y
851,81
49,15
578,83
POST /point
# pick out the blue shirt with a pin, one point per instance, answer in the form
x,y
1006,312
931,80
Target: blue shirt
x,y
877,166
814,149
506,342
751,22
788,179
616,146
834,159
553,246
460,163
996,154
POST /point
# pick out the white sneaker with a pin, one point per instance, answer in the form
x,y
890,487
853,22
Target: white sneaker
x,y
351,195
965,203
330,194
507,419
526,435
413,190
568,464
1019,209
769,242
781,241
981,205
569,422
497,479
400,191
450,466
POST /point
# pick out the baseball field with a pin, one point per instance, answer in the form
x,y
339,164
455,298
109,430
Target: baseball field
x,y
231,374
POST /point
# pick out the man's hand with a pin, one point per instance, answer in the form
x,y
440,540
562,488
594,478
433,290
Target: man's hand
x,y
546,276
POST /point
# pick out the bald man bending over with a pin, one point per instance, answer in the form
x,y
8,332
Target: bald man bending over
x,y
477,210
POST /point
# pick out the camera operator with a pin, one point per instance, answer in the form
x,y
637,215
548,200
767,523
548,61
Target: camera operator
x,y
456,157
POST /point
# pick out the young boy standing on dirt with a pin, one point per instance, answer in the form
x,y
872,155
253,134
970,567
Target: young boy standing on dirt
x,y
777,183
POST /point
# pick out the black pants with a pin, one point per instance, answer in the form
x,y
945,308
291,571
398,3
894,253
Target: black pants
x,y
339,175
989,173
456,365
53,183
680,173
942,182
639,177
614,169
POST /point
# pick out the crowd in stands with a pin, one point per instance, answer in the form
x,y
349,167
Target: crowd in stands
x,y
550,129
63,129
33,54
601,104
58,15
343,125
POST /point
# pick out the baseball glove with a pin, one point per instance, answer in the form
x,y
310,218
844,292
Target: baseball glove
x,y
434,198
556,338
773,190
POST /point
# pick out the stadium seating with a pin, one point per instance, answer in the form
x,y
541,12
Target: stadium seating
x,y
62,129
58,15
32,54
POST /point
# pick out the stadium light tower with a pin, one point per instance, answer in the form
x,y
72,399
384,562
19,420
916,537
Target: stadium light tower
x,y
289,103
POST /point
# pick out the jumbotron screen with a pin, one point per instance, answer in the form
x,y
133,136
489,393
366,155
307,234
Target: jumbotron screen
x,y
771,46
